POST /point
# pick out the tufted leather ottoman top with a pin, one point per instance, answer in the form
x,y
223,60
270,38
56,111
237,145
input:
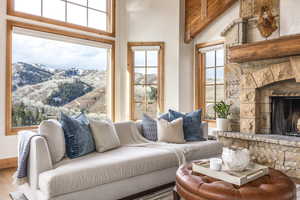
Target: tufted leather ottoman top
x,y
275,186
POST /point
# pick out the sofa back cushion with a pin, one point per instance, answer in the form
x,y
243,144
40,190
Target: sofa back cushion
x,y
149,126
191,124
139,126
105,135
78,136
171,132
53,132
128,132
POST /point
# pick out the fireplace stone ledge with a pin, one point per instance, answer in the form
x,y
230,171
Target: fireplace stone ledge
x,y
267,138
279,152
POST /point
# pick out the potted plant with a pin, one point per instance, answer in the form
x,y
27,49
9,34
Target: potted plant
x,y
223,111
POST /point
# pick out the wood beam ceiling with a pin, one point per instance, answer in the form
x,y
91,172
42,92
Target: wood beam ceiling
x,y
200,13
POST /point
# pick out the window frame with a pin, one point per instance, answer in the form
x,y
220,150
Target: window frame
x,y
9,129
200,79
112,19
160,75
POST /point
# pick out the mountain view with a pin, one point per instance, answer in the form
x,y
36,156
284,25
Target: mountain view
x,y
41,92
53,75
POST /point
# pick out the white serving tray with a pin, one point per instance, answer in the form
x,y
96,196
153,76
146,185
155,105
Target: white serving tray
x,y
253,172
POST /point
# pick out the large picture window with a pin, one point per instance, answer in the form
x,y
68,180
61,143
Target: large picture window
x,y
146,72
210,76
50,73
89,15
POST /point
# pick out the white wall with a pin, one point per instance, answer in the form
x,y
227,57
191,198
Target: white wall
x,y
186,62
8,145
152,21
213,31
289,17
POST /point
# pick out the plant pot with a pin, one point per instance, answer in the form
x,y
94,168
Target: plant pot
x,y
223,124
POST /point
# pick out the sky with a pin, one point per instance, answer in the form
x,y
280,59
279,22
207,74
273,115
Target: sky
x,y
57,54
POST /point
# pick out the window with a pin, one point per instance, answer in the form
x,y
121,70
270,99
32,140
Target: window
x,y
88,15
49,73
146,78
210,77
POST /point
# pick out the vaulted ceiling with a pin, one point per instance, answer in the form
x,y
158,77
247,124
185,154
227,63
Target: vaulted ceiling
x,y
200,13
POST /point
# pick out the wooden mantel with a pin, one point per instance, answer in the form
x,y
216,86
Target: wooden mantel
x,y
276,48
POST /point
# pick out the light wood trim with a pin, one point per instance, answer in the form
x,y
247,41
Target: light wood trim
x,y
199,81
8,109
203,9
161,75
111,33
161,79
9,130
275,48
113,82
208,44
8,163
199,71
130,69
58,32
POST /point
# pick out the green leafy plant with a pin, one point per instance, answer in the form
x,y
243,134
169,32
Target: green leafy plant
x,y
222,109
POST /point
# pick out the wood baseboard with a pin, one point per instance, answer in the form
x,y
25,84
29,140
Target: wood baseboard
x,y
8,163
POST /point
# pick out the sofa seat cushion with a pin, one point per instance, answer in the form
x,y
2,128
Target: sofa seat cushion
x,y
203,149
100,168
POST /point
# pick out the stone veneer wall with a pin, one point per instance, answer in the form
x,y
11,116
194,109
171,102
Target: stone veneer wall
x,y
278,152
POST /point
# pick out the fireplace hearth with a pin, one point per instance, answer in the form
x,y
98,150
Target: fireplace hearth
x,y
285,116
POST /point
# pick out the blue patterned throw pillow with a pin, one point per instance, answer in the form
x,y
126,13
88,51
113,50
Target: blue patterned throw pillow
x,y
78,136
82,118
149,126
191,124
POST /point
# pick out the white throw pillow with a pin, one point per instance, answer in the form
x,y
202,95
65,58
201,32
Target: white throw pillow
x,y
105,135
54,134
171,132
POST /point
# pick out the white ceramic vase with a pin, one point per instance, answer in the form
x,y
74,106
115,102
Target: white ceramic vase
x,y
236,159
223,124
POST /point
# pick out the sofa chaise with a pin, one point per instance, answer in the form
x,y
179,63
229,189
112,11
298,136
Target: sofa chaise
x,y
112,175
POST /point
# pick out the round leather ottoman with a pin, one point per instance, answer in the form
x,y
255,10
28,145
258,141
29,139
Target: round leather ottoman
x,y
275,186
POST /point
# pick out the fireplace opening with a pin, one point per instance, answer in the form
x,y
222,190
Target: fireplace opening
x,y
285,116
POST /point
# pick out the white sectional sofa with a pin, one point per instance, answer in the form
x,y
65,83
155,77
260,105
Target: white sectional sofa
x,y
112,175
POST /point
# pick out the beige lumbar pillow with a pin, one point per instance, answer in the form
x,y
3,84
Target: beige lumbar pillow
x,y
53,131
171,132
105,135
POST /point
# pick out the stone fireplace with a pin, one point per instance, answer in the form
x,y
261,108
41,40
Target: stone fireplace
x,y
266,103
259,92
263,88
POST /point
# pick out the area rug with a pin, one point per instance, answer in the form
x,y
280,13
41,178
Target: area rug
x,y
161,195
17,196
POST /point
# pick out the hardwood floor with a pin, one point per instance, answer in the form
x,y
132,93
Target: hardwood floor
x,y
6,185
